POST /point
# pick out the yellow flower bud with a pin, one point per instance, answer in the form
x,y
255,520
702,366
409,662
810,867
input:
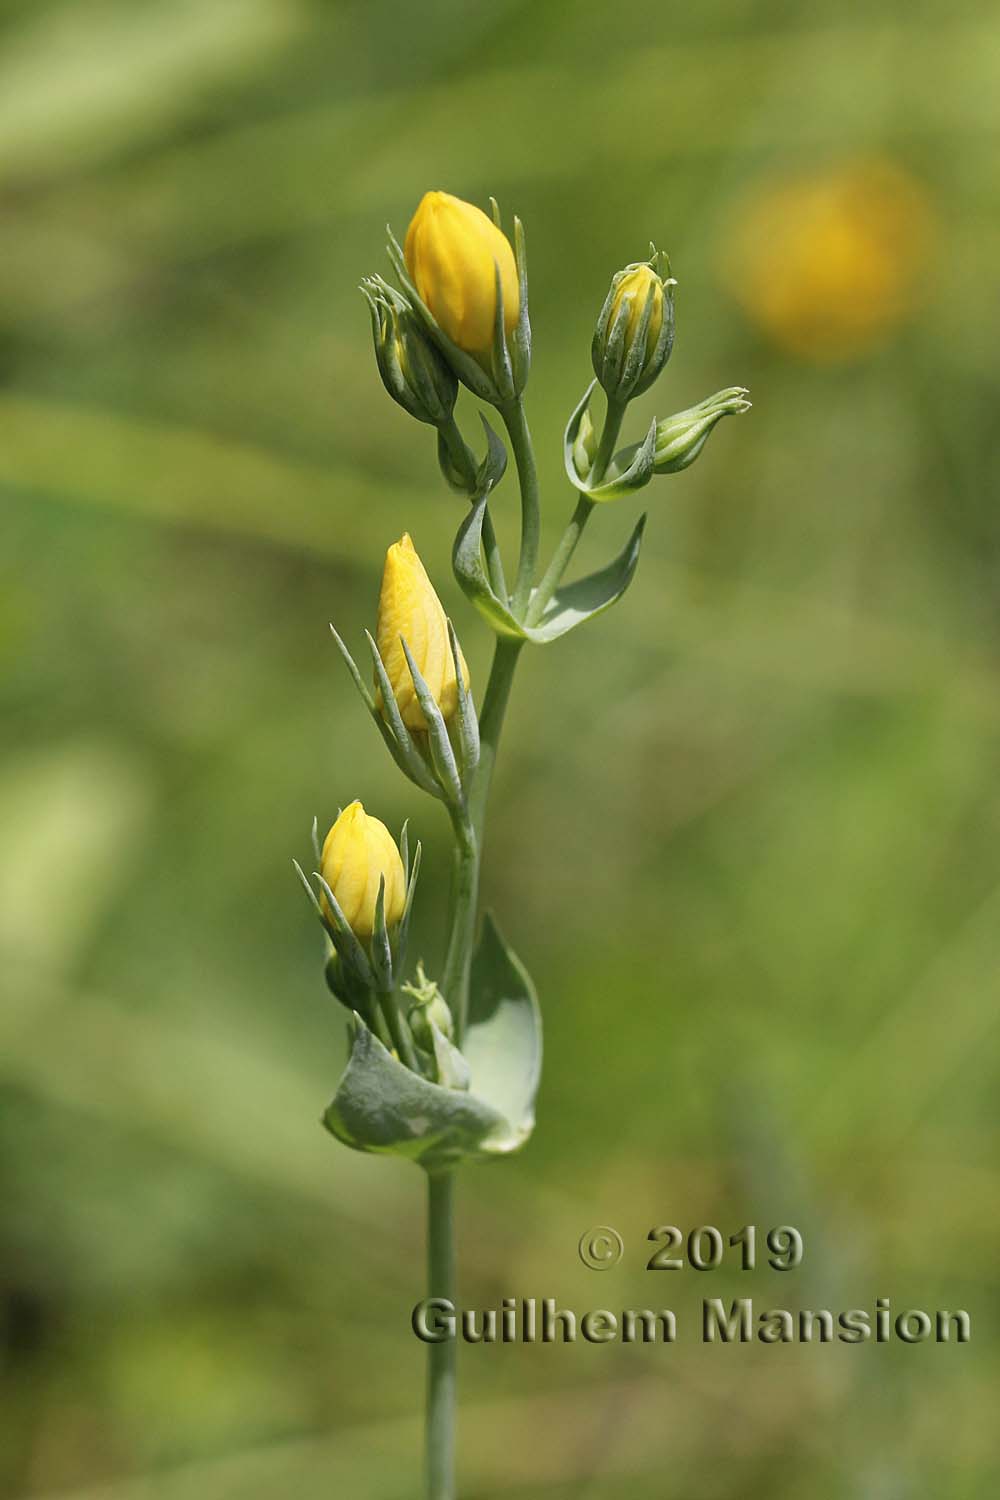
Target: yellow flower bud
x,y
451,250
409,608
357,852
632,291
635,331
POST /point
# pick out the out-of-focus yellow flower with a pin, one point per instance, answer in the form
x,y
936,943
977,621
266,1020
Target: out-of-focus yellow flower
x,y
631,292
451,249
827,265
357,852
409,608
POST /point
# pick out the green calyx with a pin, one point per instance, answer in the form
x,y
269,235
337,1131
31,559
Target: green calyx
x,y
412,368
635,330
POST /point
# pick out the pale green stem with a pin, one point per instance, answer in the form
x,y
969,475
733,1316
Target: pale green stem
x,y
560,559
613,418
520,442
581,515
468,823
440,1450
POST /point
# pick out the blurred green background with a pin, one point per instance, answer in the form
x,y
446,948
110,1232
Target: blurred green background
x,y
745,831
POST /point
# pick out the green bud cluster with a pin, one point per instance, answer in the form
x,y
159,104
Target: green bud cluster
x,y
412,368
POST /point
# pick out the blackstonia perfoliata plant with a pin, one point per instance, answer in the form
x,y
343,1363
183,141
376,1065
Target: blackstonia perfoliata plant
x,y
443,1068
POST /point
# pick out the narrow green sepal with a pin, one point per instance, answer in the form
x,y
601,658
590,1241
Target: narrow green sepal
x,y
400,746
342,937
521,352
441,752
403,932
468,720
352,667
395,733
503,369
381,948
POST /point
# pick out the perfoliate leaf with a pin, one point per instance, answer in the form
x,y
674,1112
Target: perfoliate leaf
x,y
570,605
489,1110
503,1038
382,1106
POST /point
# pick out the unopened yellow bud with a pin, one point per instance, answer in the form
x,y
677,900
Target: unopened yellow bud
x,y
635,331
451,251
631,293
410,610
357,853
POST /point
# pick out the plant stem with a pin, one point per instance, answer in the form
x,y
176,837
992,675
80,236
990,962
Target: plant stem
x,y
469,823
524,457
560,559
613,418
567,545
440,1452
464,897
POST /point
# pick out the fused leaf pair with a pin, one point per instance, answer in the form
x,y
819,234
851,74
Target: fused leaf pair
x,y
382,1106
569,606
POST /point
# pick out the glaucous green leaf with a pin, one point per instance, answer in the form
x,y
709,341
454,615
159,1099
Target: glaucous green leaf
x,y
382,1106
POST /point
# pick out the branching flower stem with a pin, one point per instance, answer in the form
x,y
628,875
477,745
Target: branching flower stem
x,y
527,475
581,515
468,823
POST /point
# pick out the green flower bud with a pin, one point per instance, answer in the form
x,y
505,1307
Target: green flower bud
x,y
412,369
584,446
680,438
428,1005
635,332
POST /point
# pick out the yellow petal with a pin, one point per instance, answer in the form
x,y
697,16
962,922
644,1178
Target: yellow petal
x,y
633,290
452,250
358,852
410,610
